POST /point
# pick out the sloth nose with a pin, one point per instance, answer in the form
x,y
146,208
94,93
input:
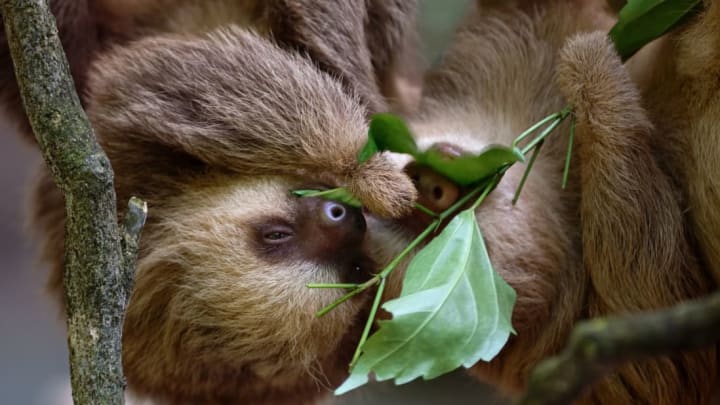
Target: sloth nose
x,y
434,191
332,224
334,213
341,221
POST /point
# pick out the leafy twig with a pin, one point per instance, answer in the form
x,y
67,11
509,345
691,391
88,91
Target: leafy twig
x,y
483,189
598,346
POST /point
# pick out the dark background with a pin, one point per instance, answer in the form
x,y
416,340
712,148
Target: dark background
x,y
33,353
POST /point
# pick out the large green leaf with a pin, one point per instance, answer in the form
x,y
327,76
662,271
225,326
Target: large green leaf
x,y
453,310
641,21
470,169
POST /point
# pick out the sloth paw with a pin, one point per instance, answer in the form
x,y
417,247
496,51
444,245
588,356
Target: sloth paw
x,y
591,76
594,82
382,188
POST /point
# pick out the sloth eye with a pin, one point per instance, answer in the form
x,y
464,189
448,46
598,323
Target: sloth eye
x,y
277,235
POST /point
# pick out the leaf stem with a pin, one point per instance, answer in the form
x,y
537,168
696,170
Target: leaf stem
x,y
339,301
368,323
409,248
462,201
426,210
566,171
542,135
535,127
529,166
488,187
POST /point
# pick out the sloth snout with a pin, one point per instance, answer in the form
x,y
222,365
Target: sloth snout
x,y
330,228
334,233
434,190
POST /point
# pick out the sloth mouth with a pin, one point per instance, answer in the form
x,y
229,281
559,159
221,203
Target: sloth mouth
x,y
358,269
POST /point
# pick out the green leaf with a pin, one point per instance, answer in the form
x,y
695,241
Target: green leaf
x,y
641,21
368,150
336,194
470,169
387,132
454,310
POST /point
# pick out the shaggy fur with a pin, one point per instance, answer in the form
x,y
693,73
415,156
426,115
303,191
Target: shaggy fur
x,y
213,130
202,108
680,81
377,29
616,241
358,41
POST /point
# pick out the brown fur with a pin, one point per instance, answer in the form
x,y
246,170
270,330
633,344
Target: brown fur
x,y
356,40
616,241
213,130
377,29
680,81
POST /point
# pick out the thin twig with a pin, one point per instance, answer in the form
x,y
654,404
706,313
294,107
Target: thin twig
x,y
598,346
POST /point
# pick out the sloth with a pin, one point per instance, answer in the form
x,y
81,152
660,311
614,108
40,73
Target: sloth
x,y
617,240
213,125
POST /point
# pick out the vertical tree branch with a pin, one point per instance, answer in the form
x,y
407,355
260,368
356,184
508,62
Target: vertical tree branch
x,y
96,269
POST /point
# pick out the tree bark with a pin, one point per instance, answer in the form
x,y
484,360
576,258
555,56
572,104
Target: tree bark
x,y
599,345
97,269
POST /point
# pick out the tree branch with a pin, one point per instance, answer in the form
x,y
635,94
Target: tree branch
x,y
96,268
598,346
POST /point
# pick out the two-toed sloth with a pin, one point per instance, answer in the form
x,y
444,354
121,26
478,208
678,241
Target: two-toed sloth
x,y
643,186
214,126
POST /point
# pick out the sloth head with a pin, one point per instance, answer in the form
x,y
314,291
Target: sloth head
x,y
222,288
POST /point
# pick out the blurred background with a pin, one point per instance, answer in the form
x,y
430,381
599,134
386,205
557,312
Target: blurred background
x,y
33,352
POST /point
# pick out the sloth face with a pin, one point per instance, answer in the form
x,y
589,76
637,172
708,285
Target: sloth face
x,y
224,284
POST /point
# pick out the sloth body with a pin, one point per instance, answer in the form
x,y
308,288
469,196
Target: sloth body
x,y
214,125
617,240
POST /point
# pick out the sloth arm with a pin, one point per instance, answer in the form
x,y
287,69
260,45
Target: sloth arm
x,y
281,115
634,246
